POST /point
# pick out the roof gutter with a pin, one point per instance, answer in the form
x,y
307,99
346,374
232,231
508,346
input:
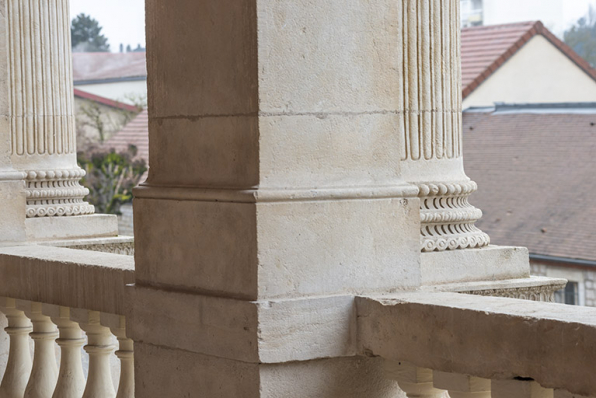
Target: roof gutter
x,y
573,261
112,80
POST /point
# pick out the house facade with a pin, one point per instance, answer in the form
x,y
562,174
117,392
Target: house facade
x,y
522,63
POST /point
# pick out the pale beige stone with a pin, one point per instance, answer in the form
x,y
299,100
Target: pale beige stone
x,y
453,332
325,57
486,264
274,250
210,67
222,378
519,389
66,277
308,151
90,226
264,331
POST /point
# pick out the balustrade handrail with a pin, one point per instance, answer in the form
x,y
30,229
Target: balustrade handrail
x,y
502,339
52,295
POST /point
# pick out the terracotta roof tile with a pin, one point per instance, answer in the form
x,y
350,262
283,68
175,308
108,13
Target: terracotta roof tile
x,y
486,48
535,174
136,132
104,66
105,101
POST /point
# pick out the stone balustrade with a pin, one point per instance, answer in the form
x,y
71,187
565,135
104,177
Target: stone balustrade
x,y
66,299
434,341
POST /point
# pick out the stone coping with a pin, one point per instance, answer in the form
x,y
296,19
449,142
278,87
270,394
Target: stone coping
x,y
72,278
489,337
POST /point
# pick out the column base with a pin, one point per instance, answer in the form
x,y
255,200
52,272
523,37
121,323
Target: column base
x,y
490,263
56,228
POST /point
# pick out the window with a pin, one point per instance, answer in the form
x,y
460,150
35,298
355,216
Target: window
x,y
569,295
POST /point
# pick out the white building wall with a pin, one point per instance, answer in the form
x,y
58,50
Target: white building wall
x,y
585,278
118,91
537,73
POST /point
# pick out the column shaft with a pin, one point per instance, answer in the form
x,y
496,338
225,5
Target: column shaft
x,y
430,126
40,107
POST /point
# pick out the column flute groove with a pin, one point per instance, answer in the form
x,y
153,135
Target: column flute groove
x,y
432,133
41,114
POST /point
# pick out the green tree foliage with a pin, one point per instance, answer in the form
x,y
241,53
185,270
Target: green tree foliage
x,y
111,176
582,37
86,35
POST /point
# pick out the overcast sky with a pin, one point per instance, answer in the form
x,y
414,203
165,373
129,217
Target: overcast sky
x,y
124,20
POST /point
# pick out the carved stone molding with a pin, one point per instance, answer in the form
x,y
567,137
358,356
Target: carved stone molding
x,y
431,126
533,293
41,107
447,218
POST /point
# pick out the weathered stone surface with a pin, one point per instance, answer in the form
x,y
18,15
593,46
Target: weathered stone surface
x,y
71,278
264,331
275,250
90,226
487,264
486,337
170,372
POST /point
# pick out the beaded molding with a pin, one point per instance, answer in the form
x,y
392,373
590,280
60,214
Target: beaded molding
x,y
447,218
53,193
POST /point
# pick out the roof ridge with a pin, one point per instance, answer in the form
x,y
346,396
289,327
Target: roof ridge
x,y
534,28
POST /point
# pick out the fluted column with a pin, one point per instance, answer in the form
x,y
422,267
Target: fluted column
x,y
39,107
18,368
431,125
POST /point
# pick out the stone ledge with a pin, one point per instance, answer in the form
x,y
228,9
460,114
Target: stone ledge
x,y
488,337
263,331
71,227
491,263
71,278
115,245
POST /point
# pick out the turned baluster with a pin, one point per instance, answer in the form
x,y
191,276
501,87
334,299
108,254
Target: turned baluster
x,y
71,380
117,324
462,386
99,348
18,367
519,389
44,373
415,382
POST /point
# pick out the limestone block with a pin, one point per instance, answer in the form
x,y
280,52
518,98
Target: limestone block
x,y
12,197
566,394
88,226
222,378
331,56
217,151
283,249
264,331
486,264
485,337
66,277
347,150
212,68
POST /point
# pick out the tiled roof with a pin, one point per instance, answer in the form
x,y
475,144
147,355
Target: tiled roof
x,y
535,171
486,48
136,132
105,101
108,66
